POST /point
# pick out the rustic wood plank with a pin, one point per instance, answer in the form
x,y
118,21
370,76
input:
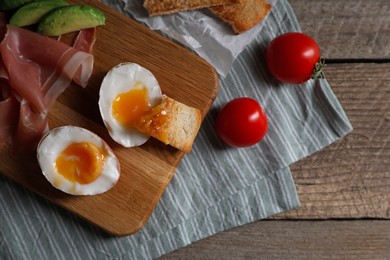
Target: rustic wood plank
x,y
347,29
361,239
351,178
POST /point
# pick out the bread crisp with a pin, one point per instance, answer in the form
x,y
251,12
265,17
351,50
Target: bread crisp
x,y
242,16
172,123
160,7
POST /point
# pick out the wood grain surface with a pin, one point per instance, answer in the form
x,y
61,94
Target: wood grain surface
x,y
145,170
348,181
299,240
348,29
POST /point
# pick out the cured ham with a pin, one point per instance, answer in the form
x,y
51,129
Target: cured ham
x,y
30,128
85,40
34,71
8,112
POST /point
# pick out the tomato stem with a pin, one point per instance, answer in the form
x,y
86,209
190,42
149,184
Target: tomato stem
x,y
318,72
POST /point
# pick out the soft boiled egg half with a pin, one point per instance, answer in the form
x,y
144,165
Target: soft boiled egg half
x,y
77,161
126,93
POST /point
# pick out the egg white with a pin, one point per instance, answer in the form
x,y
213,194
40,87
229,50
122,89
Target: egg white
x,y
120,79
55,141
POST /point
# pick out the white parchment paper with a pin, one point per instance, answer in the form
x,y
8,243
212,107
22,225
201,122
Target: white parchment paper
x,y
200,30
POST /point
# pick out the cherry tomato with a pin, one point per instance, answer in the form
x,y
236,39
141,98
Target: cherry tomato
x,y
241,122
292,57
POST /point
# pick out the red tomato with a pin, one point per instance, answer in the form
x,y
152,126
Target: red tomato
x,y
292,57
241,122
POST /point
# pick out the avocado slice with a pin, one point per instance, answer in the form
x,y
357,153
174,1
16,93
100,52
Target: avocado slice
x,y
6,5
32,12
69,19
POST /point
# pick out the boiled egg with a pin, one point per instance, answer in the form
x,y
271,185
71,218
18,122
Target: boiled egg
x,y
126,93
77,161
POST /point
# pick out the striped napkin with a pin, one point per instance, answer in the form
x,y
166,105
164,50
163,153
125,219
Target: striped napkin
x,y
215,187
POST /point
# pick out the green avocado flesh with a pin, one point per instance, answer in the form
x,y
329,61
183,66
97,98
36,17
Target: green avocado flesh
x,y
11,4
69,19
32,12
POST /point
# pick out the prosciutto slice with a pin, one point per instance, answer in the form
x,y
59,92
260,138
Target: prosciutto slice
x,y
8,113
35,70
85,40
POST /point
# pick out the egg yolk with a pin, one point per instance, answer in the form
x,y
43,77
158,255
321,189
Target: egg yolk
x,y
80,162
129,106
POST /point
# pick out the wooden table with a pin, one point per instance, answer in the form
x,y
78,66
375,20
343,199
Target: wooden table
x,y
345,188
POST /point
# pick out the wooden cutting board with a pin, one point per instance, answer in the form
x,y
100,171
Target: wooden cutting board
x,y
145,170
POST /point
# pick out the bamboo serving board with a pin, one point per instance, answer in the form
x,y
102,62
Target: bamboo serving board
x,y
145,170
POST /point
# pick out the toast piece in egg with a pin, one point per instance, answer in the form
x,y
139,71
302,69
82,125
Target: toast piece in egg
x,y
161,7
242,16
172,123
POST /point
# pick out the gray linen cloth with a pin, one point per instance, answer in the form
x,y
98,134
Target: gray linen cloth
x,y
214,188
